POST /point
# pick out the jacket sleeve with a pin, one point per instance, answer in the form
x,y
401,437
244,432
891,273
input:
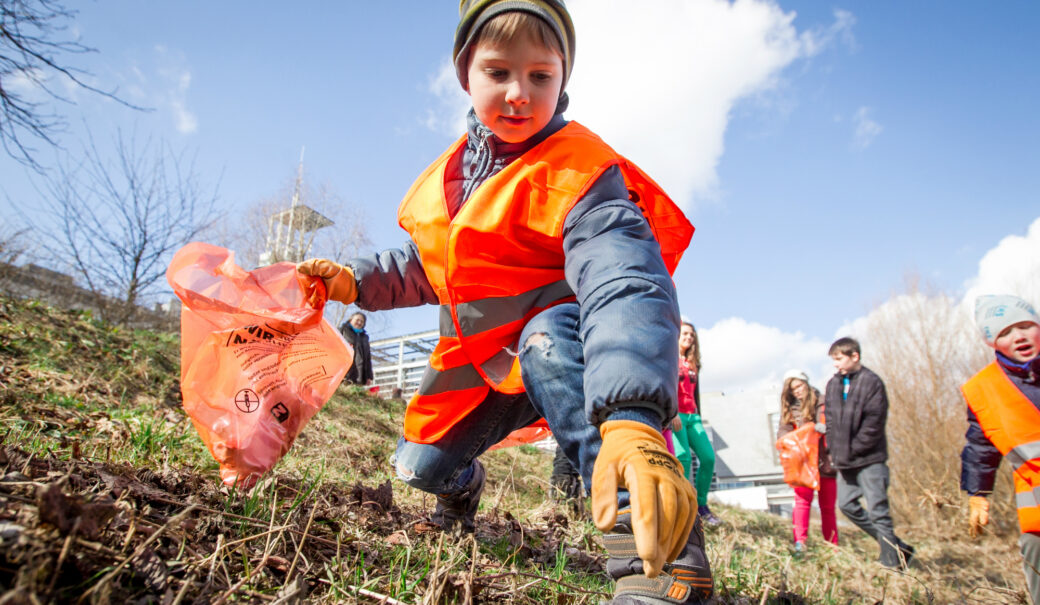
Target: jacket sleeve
x,y
392,279
628,309
979,460
872,423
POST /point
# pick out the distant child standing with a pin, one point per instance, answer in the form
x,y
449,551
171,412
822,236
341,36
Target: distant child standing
x,y
857,411
1004,422
801,404
532,235
688,434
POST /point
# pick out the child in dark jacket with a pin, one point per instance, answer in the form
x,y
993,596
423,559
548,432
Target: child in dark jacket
x,y
857,411
530,234
1004,422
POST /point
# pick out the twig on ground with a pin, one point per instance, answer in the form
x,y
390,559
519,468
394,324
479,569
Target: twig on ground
x,y
137,552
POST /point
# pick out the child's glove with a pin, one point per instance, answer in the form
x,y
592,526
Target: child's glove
x,y
978,514
633,455
340,284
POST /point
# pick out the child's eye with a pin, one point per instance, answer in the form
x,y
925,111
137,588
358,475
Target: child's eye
x,y
494,73
541,76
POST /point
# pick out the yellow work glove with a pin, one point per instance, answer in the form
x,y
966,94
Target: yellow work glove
x,y
978,514
339,280
634,456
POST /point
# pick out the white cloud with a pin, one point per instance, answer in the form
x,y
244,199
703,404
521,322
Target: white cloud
x,y
658,80
866,128
449,117
1011,267
185,119
740,356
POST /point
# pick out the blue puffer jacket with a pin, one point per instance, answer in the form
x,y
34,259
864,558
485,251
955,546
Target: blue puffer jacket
x,y
980,458
613,264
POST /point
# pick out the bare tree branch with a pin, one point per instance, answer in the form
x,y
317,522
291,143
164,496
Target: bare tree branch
x,y
118,222
34,54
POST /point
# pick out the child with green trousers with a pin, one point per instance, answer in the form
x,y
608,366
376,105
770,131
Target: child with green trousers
x,y
688,434
540,243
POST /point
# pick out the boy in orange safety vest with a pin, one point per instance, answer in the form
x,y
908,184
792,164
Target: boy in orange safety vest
x,y
1004,422
550,257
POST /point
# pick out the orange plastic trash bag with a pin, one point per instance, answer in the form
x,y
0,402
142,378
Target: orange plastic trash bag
x,y
799,456
256,361
535,431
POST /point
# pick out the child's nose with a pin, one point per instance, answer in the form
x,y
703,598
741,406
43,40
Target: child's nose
x,y
516,93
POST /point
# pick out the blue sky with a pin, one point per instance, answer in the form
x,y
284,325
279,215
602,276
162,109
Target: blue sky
x,y
822,150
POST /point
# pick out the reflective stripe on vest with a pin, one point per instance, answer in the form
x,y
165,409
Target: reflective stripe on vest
x,y
1022,454
483,315
1029,499
1012,424
499,262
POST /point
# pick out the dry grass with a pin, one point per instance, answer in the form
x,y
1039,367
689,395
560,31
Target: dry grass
x,y
88,426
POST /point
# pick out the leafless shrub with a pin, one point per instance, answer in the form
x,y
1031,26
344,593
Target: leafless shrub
x,y
117,218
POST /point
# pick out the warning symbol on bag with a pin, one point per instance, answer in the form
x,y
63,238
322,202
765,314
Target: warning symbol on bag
x,y
280,412
247,400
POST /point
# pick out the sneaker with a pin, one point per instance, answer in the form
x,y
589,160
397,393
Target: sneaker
x,y
686,580
459,509
799,547
709,518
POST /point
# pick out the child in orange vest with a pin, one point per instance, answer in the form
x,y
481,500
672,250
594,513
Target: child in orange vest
x,y
549,255
1004,422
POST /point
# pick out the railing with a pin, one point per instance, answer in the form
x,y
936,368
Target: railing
x,y
398,363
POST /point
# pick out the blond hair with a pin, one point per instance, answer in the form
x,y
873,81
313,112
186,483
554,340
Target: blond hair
x,y
511,25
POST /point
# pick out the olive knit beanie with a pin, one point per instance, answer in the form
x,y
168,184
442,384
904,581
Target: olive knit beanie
x,y
994,313
473,14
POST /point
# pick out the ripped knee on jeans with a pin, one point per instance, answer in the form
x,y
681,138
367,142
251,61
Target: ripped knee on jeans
x,y
404,473
538,340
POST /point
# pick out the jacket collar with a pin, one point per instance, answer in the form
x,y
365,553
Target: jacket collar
x,y
478,135
1027,371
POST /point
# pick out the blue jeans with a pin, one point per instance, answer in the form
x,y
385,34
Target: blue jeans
x,y
552,366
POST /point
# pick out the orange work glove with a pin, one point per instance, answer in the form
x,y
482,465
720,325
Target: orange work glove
x,y
339,280
634,456
978,514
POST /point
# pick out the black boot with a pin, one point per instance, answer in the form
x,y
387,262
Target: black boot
x,y
565,483
895,554
686,580
459,509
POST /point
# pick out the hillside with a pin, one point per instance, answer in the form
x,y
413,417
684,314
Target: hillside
x,y
108,495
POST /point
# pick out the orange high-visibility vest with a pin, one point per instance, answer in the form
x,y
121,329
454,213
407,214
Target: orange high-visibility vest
x,y
499,262
1012,424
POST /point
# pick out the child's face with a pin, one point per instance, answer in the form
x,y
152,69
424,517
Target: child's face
x,y
1019,342
799,389
846,364
515,86
685,337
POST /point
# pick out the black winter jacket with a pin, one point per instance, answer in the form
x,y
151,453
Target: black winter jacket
x,y
856,425
360,371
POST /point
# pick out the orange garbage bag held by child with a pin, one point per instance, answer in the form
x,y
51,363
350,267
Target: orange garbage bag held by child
x,y
799,456
256,360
